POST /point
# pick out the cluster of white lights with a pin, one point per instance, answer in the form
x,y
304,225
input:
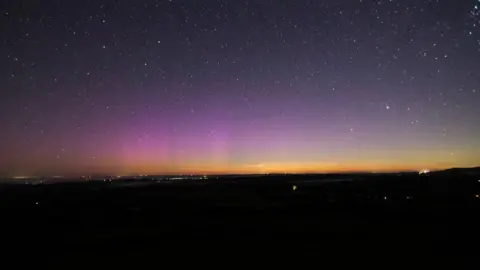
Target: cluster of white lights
x,y
425,171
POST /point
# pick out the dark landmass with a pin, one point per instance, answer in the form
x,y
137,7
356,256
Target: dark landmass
x,y
403,215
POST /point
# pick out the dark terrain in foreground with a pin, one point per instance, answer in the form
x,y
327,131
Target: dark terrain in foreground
x,y
375,215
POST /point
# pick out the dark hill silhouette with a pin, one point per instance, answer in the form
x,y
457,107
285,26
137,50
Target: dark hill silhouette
x,y
460,171
374,215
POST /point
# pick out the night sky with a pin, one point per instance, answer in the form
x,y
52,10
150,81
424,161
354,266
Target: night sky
x,y
227,86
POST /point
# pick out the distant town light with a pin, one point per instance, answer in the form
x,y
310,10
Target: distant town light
x,y
20,177
425,171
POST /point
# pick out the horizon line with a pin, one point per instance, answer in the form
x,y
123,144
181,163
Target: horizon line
x,y
20,177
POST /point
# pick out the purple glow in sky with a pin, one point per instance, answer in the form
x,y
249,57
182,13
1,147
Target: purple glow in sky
x,y
238,86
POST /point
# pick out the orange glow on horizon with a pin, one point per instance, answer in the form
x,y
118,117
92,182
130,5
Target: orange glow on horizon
x,y
214,165
270,168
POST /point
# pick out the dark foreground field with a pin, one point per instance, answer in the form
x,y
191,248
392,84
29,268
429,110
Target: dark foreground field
x,y
403,217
